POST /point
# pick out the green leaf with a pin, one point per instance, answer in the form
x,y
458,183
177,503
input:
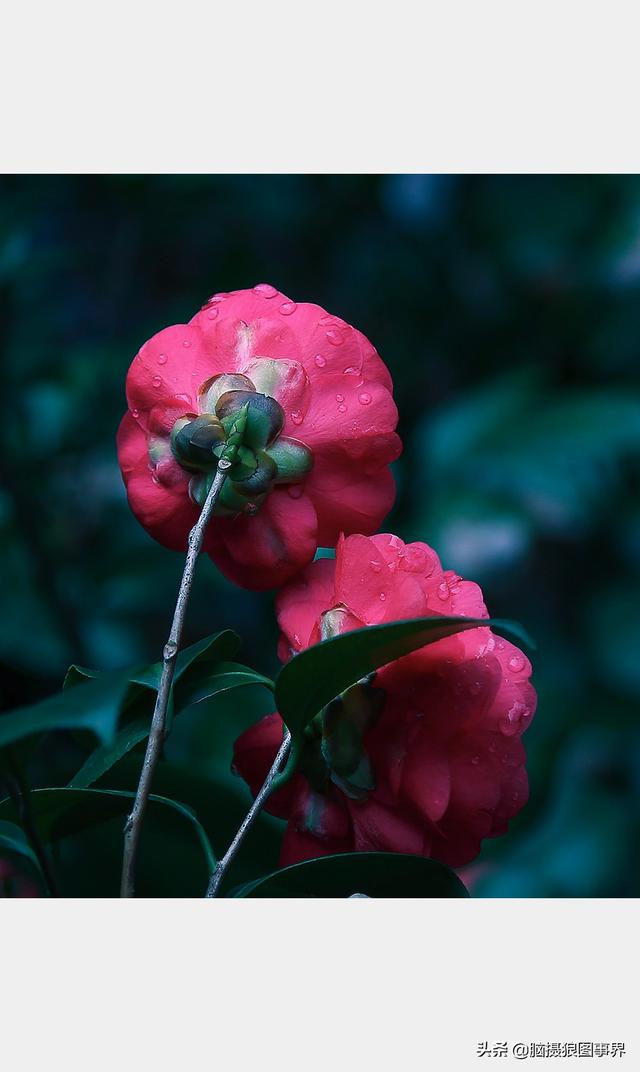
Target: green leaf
x,y
93,700
317,675
13,840
209,683
197,688
212,649
94,705
64,811
374,874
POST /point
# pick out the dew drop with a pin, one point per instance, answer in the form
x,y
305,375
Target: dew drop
x,y
296,416
339,398
516,663
342,409
295,491
154,479
251,509
516,720
475,688
336,338
265,290
156,381
186,344
475,760
443,590
364,399
135,413
351,370
288,307
375,566
320,360
382,597
184,398
415,558
212,314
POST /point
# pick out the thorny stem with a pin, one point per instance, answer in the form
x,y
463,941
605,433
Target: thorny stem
x,y
157,734
223,865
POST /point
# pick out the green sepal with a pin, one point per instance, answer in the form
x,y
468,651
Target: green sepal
x,y
230,502
193,442
292,459
265,417
212,389
260,480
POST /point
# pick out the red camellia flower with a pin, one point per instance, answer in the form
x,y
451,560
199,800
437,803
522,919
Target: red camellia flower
x,y
320,433
423,757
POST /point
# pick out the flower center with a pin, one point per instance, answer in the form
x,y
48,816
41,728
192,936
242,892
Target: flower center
x,y
229,405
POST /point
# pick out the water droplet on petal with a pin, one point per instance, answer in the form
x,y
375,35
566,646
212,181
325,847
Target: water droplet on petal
x,y
162,359
135,413
382,597
154,479
295,491
415,558
342,409
336,338
320,360
288,307
265,290
351,370
516,663
516,721
339,398
184,398
443,590
475,688
475,760
187,344
376,566
364,399
251,509
156,381
296,416
212,314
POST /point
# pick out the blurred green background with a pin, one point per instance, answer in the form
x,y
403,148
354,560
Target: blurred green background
x,y
508,311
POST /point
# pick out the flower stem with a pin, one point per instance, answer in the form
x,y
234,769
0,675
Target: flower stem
x,y
158,731
223,865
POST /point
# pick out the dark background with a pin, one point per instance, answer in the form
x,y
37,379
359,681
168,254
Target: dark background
x,y
508,311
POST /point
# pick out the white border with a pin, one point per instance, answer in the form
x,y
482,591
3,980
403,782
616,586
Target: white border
x,y
313,985
345,86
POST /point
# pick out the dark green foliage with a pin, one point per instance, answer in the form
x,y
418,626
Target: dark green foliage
x,y
370,874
